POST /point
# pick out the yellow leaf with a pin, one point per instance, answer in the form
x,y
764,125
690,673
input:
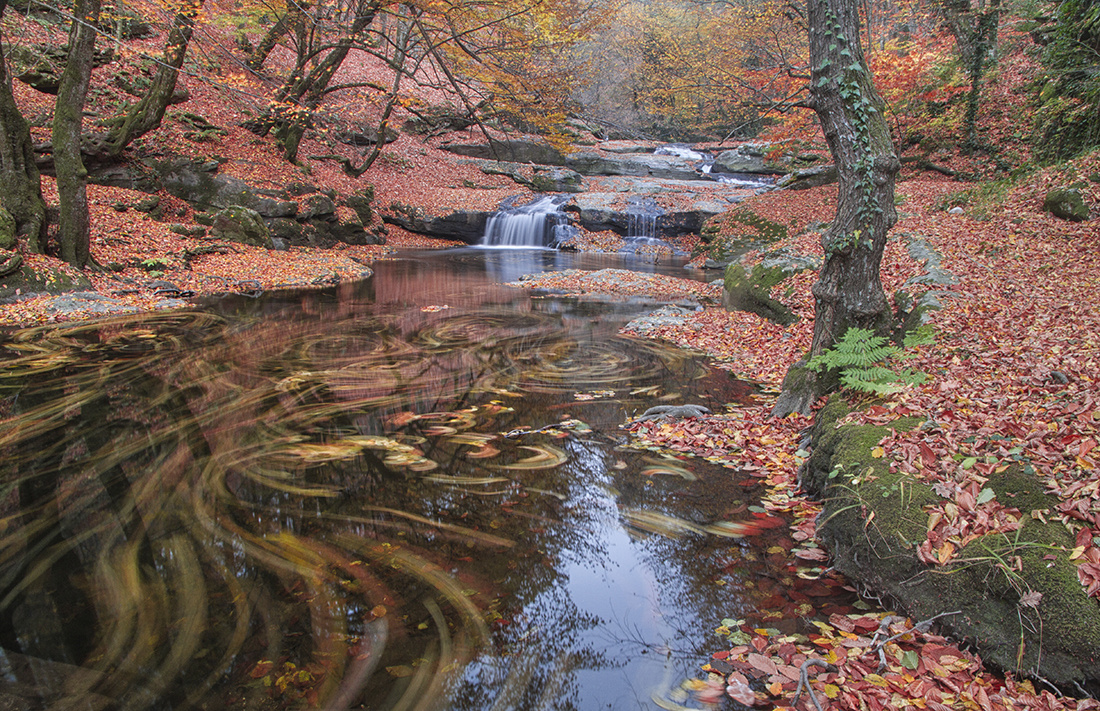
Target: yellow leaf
x,y
831,690
875,679
1077,553
775,689
878,452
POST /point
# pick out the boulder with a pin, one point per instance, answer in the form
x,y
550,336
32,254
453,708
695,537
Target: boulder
x,y
518,150
464,225
198,183
317,207
243,225
367,136
1066,204
10,262
49,280
749,290
557,180
1056,639
745,159
589,163
808,178
362,202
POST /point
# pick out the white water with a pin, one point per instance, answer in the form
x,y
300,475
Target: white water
x,y
538,224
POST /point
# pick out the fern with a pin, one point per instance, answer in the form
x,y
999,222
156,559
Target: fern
x,y
863,361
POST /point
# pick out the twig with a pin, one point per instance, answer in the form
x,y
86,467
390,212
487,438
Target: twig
x,y
884,625
804,680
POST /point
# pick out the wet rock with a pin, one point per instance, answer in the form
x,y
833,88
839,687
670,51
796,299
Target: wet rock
x,y
464,225
1066,204
88,302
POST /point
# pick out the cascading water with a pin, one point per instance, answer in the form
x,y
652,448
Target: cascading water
x,y
539,224
641,226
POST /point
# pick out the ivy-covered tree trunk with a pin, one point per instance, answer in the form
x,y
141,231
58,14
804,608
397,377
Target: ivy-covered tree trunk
x,y
20,183
72,178
848,291
148,113
975,32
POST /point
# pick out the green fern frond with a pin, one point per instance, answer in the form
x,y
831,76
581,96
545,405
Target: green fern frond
x,y
862,359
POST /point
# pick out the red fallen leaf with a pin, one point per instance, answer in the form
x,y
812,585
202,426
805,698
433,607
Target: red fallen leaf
x,y
866,624
739,691
1086,447
815,554
842,623
927,456
764,664
720,655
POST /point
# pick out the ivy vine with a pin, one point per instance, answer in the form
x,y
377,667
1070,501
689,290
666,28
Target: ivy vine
x,y
861,110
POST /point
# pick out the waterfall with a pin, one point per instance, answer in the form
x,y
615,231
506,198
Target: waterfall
x,y
538,224
641,225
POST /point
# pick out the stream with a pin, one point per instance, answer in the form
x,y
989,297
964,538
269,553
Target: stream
x,y
412,492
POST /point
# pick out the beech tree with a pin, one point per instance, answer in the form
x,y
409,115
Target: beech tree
x,y
68,118
848,292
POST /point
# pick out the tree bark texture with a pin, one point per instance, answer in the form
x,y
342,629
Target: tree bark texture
x,y
20,182
72,178
148,113
848,292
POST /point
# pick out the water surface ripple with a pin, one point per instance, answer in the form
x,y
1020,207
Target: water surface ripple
x,y
358,498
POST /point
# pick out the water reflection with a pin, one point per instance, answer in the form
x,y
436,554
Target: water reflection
x,y
355,498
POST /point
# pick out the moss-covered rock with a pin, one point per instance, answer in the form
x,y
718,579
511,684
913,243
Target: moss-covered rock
x,y
874,520
733,233
1066,204
241,224
749,290
25,280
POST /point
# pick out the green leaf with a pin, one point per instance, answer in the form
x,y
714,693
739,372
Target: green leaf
x,y
910,660
985,495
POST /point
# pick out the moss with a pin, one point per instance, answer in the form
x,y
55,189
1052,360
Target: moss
x,y
736,232
873,520
750,291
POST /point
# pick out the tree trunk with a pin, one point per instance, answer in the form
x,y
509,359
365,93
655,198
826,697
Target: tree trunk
x,y
20,183
848,291
975,32
305,92
148,113
293,19
72,178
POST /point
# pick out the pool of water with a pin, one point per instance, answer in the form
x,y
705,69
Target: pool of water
x,y
413,492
